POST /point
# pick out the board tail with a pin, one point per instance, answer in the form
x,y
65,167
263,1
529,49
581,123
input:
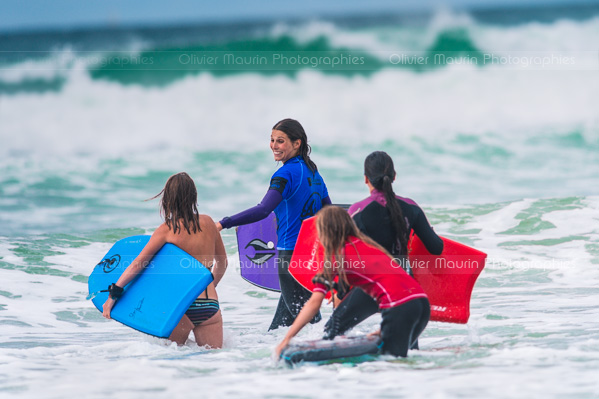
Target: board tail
x,y
447,279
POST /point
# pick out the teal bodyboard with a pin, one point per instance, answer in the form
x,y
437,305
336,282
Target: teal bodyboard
x,y
156,300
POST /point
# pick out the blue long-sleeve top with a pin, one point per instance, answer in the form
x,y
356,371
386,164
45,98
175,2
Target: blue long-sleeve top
x,y
295,194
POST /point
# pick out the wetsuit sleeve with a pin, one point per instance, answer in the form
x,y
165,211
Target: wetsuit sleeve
x,y
319,287
358,219
258,212
281,182
326,201
320,283
424,231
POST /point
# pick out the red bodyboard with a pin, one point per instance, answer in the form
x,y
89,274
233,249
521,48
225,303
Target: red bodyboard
x,y
447,279
307,255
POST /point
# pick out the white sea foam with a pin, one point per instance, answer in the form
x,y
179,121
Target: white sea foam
x,y
56,64
204,112
561,36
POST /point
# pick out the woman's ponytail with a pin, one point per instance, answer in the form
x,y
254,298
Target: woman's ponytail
x,y
379,169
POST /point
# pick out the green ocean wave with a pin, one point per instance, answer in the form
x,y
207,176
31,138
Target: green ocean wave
x,y
33,252
277,56
574,139
531,219
39,85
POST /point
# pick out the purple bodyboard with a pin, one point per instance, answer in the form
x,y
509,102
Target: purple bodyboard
x,y
257,243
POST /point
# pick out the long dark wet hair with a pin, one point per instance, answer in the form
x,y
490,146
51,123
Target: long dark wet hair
x,y
379,169
295,131
179,203
334,226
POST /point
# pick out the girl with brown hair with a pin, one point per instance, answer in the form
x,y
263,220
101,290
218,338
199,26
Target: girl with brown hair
x,y
196,234
356,260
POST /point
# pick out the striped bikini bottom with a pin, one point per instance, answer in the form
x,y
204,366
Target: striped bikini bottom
x,y
201,310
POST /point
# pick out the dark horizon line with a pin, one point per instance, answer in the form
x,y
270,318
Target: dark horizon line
x,y
482,11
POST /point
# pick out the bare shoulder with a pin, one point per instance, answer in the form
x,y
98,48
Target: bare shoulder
x,y
206,222
159,238
161,231
205,218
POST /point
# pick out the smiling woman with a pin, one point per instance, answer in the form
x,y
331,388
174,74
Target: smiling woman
x,y
296,192
282,147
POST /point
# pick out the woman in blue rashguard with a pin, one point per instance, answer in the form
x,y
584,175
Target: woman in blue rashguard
x,y
296,192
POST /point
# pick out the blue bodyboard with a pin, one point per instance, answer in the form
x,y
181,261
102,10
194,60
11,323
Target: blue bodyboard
x,y
156,300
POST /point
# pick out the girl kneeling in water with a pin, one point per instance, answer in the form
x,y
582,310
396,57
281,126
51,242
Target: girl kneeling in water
x,y
404,306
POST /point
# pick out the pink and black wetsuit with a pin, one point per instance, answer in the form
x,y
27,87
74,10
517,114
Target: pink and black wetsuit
x,y
372,218
404,305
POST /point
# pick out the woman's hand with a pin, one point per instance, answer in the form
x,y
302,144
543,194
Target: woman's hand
x,y
335,299
281,347
375,334
107,307
219,226
310,309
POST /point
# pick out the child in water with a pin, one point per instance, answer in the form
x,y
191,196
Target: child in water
x,y
196,234
405,308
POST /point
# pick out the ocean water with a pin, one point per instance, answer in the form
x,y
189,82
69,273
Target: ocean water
x,y
496,136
